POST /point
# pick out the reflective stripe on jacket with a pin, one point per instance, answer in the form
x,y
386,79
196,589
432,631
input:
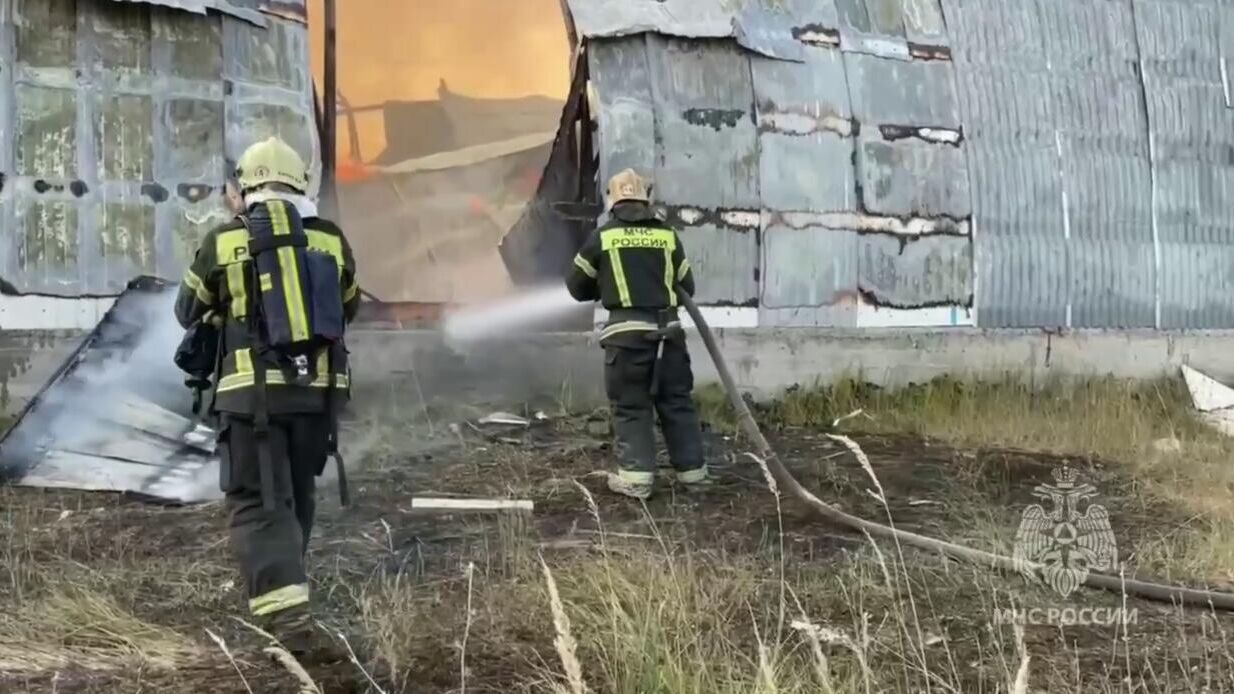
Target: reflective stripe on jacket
x,y
219,282
633,265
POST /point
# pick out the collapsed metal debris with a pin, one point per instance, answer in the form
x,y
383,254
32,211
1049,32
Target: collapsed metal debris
x,y
1213,400
115,416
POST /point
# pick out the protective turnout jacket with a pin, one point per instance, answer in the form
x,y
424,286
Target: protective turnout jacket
x,y
218,283
632,265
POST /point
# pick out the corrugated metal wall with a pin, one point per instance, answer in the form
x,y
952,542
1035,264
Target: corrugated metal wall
x,y
117,122
1054,162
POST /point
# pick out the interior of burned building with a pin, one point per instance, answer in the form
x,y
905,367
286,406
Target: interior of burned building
x,y
447,110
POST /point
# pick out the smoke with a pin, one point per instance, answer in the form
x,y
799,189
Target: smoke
x,y
526,310
103,410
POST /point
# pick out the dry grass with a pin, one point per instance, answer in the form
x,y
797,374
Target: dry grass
x,y
1148,427
88,629
736,592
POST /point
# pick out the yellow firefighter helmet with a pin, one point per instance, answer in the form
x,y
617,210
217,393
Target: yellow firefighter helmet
x,y
627,185
271,161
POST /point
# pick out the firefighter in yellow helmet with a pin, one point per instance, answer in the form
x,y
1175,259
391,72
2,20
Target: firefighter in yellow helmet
x,y
635,264
281,372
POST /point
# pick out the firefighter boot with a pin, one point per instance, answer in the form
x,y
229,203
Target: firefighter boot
x,y
696,480
636,485
296,633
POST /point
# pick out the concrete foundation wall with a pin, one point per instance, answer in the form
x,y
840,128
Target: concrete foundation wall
x,y
569,367
396,372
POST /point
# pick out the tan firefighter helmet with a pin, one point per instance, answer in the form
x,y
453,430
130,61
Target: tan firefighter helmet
x,y
628,185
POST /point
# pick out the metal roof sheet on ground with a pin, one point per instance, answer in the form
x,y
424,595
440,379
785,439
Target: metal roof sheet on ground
x,y
104,422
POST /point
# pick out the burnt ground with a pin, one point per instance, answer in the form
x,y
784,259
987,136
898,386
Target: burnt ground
x,y
394,581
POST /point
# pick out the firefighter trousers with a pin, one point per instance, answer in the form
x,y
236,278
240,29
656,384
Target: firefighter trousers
x,y
628,375
270,544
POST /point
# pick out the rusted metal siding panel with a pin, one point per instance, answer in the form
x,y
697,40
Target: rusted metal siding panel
x,y
113,134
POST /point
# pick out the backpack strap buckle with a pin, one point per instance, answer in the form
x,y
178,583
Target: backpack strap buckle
x,y
301,374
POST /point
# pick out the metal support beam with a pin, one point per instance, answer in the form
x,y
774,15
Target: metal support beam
x,y
329,144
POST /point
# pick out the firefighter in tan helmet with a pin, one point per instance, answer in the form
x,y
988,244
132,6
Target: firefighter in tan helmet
x,y
635,265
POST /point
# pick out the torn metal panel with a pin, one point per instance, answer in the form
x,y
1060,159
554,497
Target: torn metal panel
x,y
784,29
917,273
874,27
924,23
626,114
913,178
706,135
804,119
103,422
685,18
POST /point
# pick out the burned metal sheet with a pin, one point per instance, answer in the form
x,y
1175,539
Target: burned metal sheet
x,y
706,134
109,418
626,116
725,263
1088,143
893,92
117,119
913,178
784,29
933,270
805,126
685,18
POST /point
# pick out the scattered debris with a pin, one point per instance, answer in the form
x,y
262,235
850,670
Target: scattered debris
x,y
428,504
504,418
1213,399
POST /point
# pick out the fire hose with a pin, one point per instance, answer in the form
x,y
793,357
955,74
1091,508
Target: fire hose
x,y
745,421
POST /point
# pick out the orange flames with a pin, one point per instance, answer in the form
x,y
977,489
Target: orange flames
x,y
402,51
